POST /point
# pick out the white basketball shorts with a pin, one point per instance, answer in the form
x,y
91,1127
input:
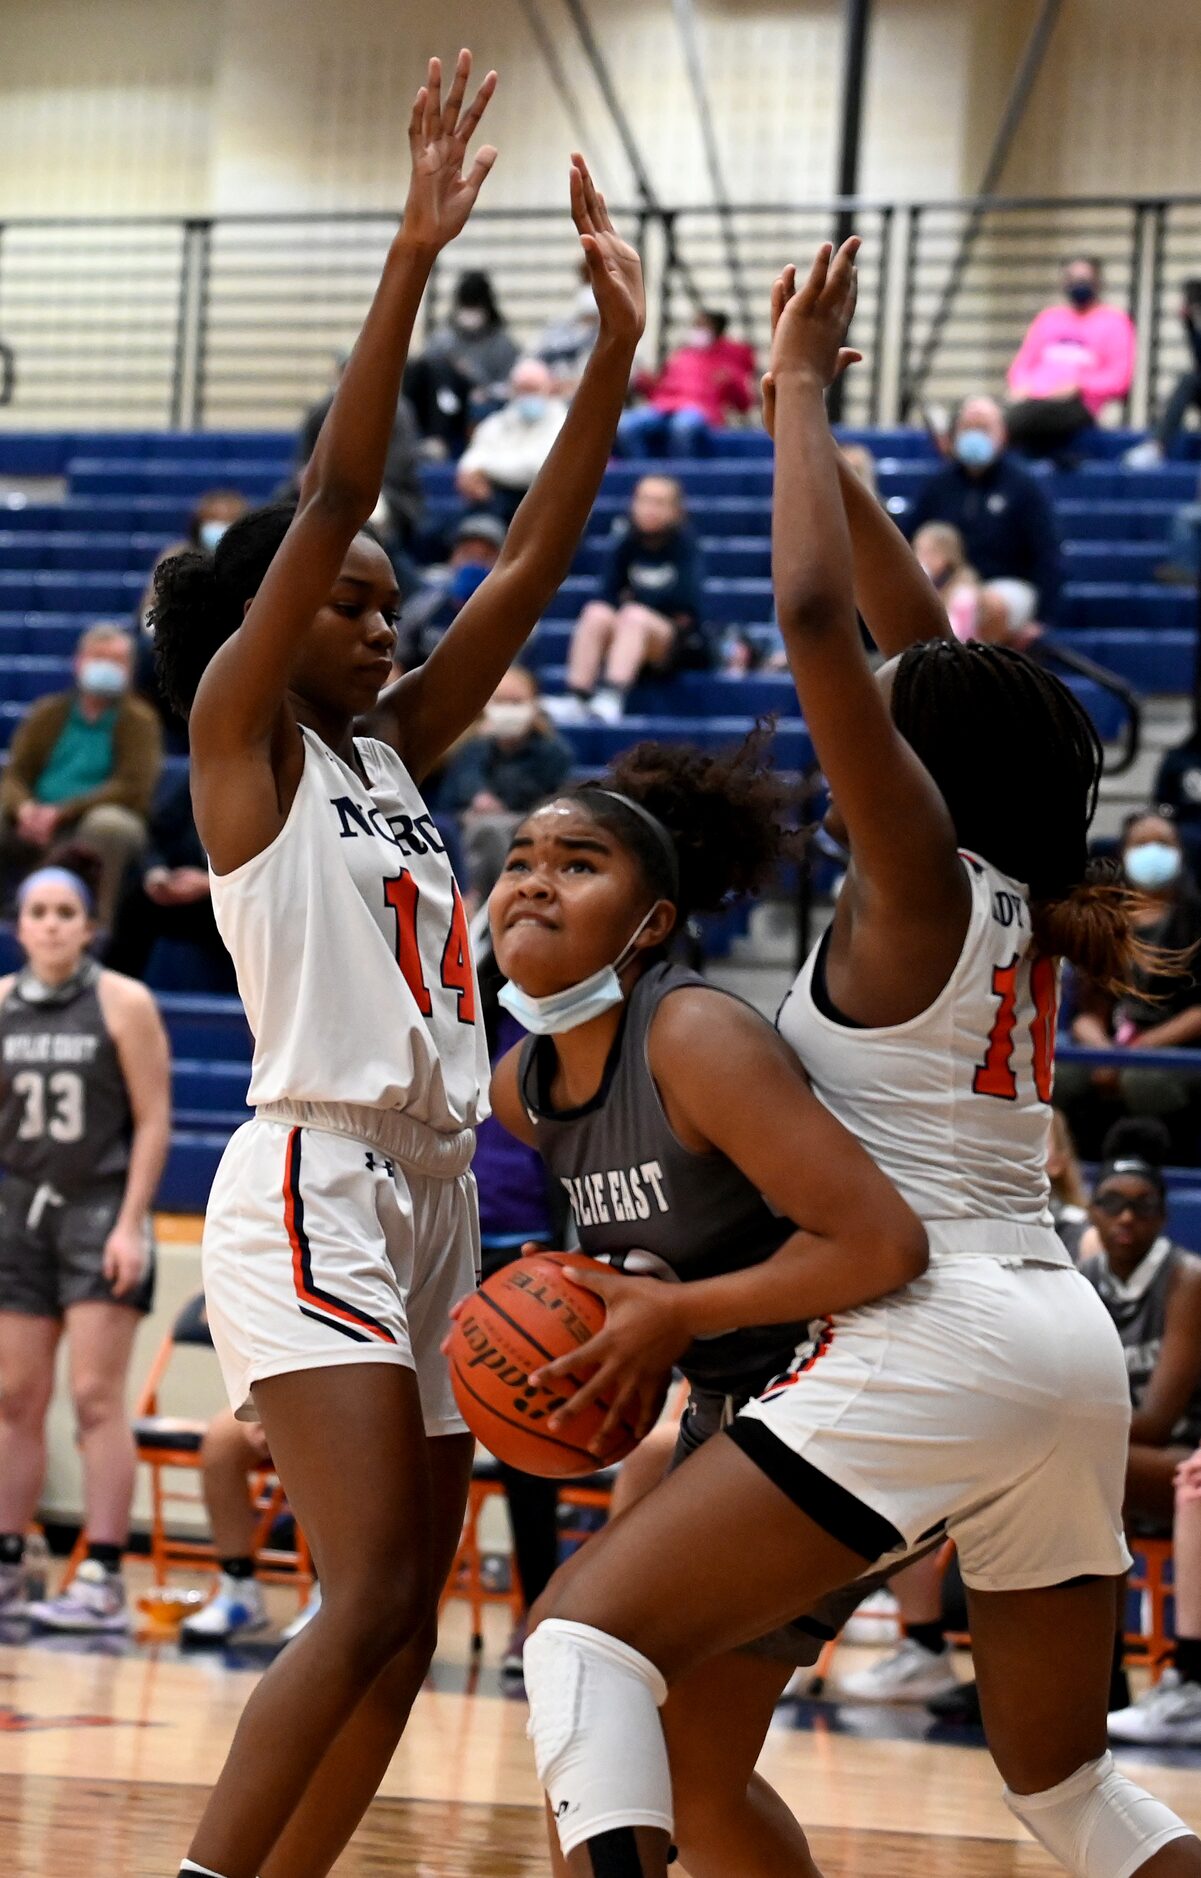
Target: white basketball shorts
x,y
987,1401
320,1250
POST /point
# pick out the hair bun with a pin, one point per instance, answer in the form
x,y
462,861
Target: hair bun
x,y
1138,1138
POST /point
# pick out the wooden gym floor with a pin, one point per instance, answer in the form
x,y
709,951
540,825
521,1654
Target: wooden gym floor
x,y
107,1748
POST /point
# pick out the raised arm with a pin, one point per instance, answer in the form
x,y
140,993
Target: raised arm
x,y
424,712
901,836
893,593
240,699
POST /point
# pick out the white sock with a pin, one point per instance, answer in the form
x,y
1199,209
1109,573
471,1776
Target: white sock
x,y
198,1871
598,1741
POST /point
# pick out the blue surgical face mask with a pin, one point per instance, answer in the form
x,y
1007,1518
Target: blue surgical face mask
x,y
579,1004
975,448
103,678
1153,864
211,533
531,405
464,580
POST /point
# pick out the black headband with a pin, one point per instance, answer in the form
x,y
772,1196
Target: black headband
x,y
657,829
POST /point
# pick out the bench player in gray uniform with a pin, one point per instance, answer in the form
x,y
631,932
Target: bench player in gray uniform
x,y
668,1110
84,1130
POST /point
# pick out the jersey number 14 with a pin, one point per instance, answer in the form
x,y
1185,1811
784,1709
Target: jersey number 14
x,y
995,1077
404,896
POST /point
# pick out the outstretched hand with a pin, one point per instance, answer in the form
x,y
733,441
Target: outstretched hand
x,y
614,269
809,326
440,196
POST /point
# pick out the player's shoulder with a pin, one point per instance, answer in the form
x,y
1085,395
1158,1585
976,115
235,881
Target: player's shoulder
x,y
7,982
124,999
699,1024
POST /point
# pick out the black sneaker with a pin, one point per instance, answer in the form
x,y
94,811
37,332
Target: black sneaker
x,y
961,1704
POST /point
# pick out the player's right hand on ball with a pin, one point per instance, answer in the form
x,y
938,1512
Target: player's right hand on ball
x,y
644,1334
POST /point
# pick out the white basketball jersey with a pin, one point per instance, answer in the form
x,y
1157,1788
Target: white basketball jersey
x,y
350,943
954,1105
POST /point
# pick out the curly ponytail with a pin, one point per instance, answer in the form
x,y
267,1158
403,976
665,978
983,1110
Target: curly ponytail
x,y
200,598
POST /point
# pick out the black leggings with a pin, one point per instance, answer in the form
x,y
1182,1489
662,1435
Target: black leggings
x,y
534,1517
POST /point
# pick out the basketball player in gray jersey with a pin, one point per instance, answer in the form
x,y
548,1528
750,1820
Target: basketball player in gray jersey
x,y
669,1110
84,1130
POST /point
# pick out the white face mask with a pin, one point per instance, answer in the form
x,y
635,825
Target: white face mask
x,y
510,719
579,1004
701,336
471,319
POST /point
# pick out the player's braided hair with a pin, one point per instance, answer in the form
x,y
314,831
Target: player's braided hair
x,y
1018,761
726,814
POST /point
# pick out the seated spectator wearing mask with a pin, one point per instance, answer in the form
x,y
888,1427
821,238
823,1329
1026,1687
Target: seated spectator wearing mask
x,y
1178,787
1163,1011
426,614
1077,357
565,346
1007,524
84,763
463,371
702,384
938,549
214,512
648,611
1186,393
510,447
163,929
401,506
498,776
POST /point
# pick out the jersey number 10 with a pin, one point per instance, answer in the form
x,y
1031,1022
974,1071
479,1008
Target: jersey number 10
x,y
995,1077
403,896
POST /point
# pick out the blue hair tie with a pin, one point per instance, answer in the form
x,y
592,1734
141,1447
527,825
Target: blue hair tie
x,y
57,877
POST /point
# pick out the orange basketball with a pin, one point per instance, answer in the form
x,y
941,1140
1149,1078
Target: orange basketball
x,y
525,1315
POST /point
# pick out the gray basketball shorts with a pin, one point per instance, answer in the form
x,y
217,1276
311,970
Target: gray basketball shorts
x,y
802,1641
52,1249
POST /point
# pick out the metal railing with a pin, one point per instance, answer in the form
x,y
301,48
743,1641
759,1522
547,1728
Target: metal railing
x,y
233,320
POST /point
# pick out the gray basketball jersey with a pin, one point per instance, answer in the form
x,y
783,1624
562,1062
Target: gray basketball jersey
x,y
65,1118
643,1201
1139,1308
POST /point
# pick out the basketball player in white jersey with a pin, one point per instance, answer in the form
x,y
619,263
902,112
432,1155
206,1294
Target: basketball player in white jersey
x,y
987,1400
342,1224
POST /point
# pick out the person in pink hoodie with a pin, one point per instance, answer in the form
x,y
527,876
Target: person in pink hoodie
x,y
1075,359
700,385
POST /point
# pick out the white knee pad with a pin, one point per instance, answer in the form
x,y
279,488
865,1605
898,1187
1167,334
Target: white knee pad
x,y
1097,1823
598,1741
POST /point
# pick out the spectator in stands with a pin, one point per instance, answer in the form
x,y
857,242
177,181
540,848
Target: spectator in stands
x,y
938,547
510,447
1186,393
1151,1288
648,611
463,371
565,346
1164,1011
702,384
212,515
1178,787
83,763
1168,1712
499,775
231,1455
1077,357
401,505
427,613
1069,1196
1007,524
163,929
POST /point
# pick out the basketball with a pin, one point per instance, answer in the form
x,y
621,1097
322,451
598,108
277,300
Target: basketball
x,y
525,1315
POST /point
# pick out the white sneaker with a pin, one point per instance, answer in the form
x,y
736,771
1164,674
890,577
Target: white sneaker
x,y
907,1674
235,1609
608,706
1168,1714
93,1601
1144,455
304,1616
876,1620
567,709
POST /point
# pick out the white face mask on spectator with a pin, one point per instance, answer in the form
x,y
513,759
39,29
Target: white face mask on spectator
x,y
103,678
506,718
471,319
701,336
